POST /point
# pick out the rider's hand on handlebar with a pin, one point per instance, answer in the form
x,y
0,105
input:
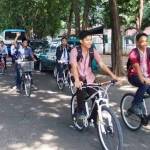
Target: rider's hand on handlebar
x,y
118,79
147,81
78,84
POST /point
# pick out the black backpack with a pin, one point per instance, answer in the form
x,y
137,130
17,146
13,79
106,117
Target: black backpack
x,y
80,57
129,63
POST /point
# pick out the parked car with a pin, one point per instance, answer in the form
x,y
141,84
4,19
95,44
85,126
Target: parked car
x,y
47,59
55,42
38,46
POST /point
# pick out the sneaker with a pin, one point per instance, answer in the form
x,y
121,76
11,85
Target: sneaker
x,y
34,87
92,123
81,115
18,90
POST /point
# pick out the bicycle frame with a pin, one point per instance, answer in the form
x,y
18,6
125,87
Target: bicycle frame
x,y
102,99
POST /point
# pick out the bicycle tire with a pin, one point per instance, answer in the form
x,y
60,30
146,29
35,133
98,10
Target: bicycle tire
x,y
109,130
27,85
60,83
78,125
72,87
55,72
125,114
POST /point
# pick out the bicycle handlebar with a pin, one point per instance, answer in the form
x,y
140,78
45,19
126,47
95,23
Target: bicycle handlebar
x,y
112,82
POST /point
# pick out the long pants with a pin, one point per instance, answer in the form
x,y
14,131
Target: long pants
x,y
142,88
60,69
5,61
81,96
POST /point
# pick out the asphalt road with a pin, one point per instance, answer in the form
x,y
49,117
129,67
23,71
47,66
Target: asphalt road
x,y
43,121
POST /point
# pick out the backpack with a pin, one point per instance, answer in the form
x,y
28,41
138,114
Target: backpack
x,y
92,61
129,63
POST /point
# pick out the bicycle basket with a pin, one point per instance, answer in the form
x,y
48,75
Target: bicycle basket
x,y
27,66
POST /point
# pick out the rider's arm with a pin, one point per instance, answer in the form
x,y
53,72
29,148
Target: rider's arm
x,y
74,67
134,60
57,53
139,72
16,38
107,70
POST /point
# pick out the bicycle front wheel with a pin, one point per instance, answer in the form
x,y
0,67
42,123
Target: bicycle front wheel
x,y
109,130
55,72
60,82
78,123
27,85
131,120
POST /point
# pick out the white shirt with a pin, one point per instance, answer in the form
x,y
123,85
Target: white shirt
x,y
143,62
64,56
3,50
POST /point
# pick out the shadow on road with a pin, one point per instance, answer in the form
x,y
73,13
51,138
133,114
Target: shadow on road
x,y
44,122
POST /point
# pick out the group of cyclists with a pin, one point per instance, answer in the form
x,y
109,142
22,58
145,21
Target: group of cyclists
x,y
19,51
79,58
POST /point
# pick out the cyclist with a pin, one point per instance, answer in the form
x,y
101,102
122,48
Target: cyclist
x,y
62,56
82,71
139,71
25,52
4,52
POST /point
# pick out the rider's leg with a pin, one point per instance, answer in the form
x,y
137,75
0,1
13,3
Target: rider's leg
x,y
142,88
5,61
18,78
94,113
80,100
148,89
60,70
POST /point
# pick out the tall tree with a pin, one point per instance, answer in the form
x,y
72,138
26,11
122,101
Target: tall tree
x,y
139,17
76,10
87,6
116,39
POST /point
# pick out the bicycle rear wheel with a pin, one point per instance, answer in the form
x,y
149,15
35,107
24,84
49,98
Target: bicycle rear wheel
x,y
78,123
109,130
27,84
131,120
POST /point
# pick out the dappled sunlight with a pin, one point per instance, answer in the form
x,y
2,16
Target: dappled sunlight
x,y
127,88
47,137
52,100
54,115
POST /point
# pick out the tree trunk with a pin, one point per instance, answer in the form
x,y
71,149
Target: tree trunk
x,y
76,10
70,20
140,15
116,52
85,23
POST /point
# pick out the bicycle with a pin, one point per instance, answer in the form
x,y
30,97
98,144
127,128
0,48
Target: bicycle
x,y
66,80
107,124
25,69
61,82
71,85
2,64
133,121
